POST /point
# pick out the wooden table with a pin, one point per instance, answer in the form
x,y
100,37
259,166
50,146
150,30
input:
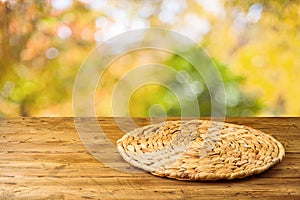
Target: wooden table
x,y
43,158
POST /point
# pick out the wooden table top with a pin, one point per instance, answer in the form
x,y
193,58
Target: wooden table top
x,y
44,158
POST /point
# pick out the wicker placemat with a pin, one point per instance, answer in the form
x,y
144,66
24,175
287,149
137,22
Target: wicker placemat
x,y
200,150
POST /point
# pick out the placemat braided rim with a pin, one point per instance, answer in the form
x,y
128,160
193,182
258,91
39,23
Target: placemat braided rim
x,y
193,150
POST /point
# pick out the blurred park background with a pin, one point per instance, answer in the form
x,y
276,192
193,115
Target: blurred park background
x,y
255,45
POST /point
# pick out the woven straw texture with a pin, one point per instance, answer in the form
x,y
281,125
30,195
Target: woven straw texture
x,y
200,150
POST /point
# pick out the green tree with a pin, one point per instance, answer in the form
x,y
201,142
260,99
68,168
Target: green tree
x,y
238,103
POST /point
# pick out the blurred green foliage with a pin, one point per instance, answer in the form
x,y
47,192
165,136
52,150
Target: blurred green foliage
x,y
37,66
238,103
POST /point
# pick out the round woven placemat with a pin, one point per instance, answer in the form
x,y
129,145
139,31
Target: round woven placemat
x,y
200,150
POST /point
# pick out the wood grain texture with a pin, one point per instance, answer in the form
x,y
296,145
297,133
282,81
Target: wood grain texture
x,y
44,158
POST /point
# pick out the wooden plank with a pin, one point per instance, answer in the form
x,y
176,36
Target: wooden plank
x,y
26,136
111,187
64,165
44,158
